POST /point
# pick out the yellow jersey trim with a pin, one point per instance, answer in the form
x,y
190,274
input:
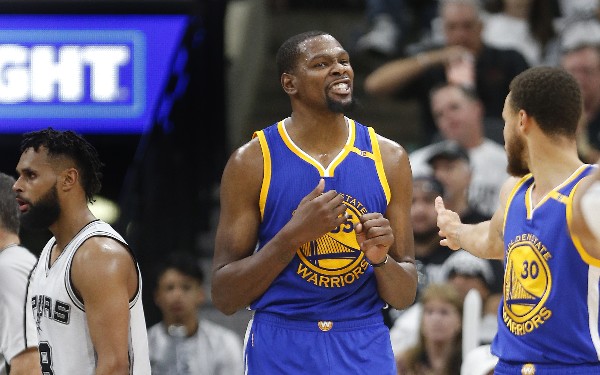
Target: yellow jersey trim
x,y
585,256
266,182
323,171
379,165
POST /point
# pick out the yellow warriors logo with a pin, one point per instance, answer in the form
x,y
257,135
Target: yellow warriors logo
x,y
527,285
335,259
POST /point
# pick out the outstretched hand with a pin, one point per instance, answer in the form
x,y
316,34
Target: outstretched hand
x,y
375,236
449,223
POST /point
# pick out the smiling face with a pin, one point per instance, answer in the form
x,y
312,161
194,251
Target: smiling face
x,y
36,190
323,76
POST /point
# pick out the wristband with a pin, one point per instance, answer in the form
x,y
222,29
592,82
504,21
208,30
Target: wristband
x,y
382,263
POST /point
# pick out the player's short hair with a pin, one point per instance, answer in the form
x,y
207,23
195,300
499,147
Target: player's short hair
x,y
289,52
9,209
73,146
550,95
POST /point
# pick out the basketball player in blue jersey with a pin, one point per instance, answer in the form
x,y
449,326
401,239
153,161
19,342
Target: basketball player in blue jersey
x,y
546,231
86,287
314,233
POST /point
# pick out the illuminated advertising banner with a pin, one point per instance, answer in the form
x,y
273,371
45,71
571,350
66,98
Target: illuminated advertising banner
x,y
89,73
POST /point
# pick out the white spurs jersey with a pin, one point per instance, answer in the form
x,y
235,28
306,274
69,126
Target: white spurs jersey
x,y
64,340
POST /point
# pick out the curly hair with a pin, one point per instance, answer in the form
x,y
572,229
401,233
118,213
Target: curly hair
x,y
550,95
73,146
288,53
9,209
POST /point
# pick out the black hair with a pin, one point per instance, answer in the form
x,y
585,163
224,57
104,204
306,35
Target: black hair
x,y
288,52
550,95
9,209
181,261
69,144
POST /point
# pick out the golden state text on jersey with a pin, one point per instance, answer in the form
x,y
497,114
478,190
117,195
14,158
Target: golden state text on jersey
x,y
330,278
550,308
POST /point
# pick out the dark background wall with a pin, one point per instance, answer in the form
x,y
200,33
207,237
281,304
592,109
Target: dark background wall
x,y
164,181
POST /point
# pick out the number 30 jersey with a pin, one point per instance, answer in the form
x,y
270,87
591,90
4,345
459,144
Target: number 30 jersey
x,y
550,308
64,340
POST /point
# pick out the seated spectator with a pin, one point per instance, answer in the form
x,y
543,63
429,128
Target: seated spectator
x,y
182,343
459,117
451,166
583,62
466,272
525,26
463,59
463,272
429,254
438,349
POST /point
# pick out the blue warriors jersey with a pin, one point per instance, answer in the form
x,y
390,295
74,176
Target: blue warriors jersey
x,y
330,277
550,307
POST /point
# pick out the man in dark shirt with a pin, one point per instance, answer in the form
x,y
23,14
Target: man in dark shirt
x,y
463,59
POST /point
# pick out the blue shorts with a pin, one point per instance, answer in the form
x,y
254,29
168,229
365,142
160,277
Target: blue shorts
x,y
278,345
510,368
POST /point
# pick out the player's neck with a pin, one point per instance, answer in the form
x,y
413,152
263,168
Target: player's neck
x,y
69,224
551,166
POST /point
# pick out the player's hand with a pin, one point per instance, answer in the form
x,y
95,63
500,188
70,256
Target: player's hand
x,y
374,235
318,213
449,224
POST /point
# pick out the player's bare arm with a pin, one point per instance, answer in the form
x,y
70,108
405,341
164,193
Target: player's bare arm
x,y
239,275
585,218
485,239
26,363
105,277
392,234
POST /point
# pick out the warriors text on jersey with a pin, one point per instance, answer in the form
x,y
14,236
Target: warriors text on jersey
x,y
65,343
550,309
329,277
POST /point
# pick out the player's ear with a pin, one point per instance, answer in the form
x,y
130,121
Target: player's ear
x,y
69,178
288,82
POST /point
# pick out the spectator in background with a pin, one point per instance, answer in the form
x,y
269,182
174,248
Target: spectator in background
x,y
466,272
386,27
183,343
18,337
438,349
463,59
459,117
389,23
451,166
583,62
526,26
429,254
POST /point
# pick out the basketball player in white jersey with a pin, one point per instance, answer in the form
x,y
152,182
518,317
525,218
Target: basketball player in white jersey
x,y
86,287
18,338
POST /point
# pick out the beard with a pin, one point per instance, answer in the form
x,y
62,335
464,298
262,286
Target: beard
x,y
340,107
44,212
515,152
